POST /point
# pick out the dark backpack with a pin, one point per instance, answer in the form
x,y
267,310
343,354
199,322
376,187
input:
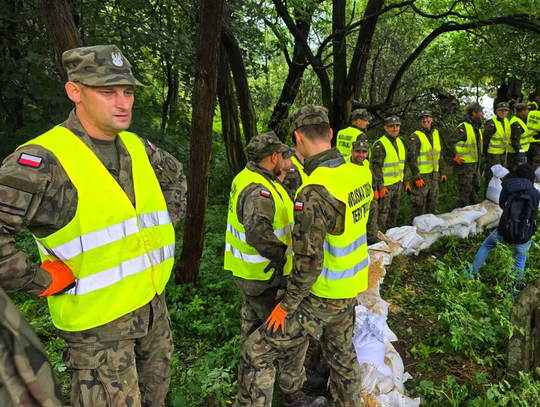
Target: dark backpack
x,y
518,220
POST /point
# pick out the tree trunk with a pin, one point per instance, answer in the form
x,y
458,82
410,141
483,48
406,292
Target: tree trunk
x,y
61,30
339,51
229,117
204,103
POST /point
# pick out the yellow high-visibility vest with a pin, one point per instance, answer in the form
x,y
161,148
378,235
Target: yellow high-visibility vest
x,y
394,162
468,149
346,260
121,254
428,159
300,167
525,139
242,259
346,138
501,139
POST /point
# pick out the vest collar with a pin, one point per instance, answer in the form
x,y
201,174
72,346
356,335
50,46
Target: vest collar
x,y
311,163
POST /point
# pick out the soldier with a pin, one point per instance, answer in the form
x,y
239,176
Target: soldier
x,y
425,160
295,175
388,165
534,100
359,156
102,204
496,137
330,268
259,227
356,131
520,138
466,143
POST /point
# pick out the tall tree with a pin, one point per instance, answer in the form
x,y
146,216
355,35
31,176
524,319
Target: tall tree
x,y
204,102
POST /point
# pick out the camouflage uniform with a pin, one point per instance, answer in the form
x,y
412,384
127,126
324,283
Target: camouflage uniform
x,y
293,180
331,321
27,379
468,173
515,140
424,199
126,361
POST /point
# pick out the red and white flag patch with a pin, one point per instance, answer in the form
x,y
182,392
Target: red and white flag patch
x,y
152,146
30,160
265,193
298,206
292,171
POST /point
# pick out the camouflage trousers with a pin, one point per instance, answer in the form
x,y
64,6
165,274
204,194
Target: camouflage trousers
x,y
129,372
512,162
372,223
257,309
334,330
491,160
533,155
389,206
424,199
468,184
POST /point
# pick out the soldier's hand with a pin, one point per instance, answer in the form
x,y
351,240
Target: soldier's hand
x,y
408,189
444,179
419,183
383,192
276,265
376,195
62,278
276,320
458,159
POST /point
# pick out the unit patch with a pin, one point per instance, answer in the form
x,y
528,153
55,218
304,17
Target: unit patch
x,y
298,206
265,193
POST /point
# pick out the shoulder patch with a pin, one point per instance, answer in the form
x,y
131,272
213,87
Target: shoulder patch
x,y
265,193
152,146
412,139
30,160
292,171
378,146
461,129
298,206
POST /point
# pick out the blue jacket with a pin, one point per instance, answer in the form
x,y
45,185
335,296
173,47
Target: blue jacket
x,y
514,185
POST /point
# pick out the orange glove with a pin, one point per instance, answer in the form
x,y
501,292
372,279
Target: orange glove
x,y
443,178
376,195
458,159
408,189
62,277
277,319
383,192
419,183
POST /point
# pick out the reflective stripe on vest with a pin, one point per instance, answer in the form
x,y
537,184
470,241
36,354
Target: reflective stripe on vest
x,y
525,138
346,260
501,139
468,149
121,254
428,158
394,162
242,259
300,168
346,138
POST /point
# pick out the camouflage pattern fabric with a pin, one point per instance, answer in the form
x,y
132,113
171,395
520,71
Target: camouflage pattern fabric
x,y
100,65
361,114
468,184
257,309
27,379
307,116
424,199
264,145
292,181
389,206
413,151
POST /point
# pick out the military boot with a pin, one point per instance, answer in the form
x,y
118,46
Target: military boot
x,y
300,399
315,380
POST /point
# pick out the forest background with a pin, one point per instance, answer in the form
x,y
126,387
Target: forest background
x,y
258,60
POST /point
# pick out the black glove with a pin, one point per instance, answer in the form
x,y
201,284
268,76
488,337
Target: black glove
x,y
277,266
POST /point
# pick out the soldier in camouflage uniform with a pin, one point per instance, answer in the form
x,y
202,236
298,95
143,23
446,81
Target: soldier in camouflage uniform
x,y
301,313
495,139
27,379
425,189
519,137
360,119
127,360
468,173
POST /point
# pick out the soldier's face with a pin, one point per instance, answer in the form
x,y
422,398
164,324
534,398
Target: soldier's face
x,y
362,124
425,122
277,160
501,113
393,130
477,115
108,108
358,157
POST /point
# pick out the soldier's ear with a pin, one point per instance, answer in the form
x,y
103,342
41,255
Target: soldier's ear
x,y
331,133
74,92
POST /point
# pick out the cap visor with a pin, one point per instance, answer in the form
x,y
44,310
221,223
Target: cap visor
x,y
115,81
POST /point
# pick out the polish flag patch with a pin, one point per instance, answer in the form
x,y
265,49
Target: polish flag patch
x,y
298,206
152,146
30,160
265,193
292,171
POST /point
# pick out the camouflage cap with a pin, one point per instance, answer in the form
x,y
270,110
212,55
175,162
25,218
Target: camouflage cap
x,y
475,107
392,121
361,114
502,106
531,106
425,113
360,145
100,65
521,107
308,116
264,145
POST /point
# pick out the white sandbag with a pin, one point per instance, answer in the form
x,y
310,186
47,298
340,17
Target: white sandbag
x,y
407,237
499,171
537,174
493,214
396,399
394,362
494,189
430,238
429,223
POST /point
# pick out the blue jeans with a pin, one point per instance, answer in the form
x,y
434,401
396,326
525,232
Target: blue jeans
x,y
520,253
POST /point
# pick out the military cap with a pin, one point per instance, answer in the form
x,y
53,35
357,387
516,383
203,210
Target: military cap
x,y
308,116
502,106
476,107
360,145
392,121
425,113
264,145
361,114
531,106
100,65
521,107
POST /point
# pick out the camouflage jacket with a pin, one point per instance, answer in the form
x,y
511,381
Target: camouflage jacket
x,y
292,181
321,214
515,135
378,155
27,378
256,212
44,200
460,134
413,150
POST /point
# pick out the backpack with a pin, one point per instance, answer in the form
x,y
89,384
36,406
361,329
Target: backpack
x,y
518,220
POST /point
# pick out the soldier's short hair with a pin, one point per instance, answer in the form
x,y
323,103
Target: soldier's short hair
x,y
475,107
520,107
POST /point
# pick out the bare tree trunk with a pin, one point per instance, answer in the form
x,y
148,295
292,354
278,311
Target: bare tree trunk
x,y
61,30
204,103
229,117
339,51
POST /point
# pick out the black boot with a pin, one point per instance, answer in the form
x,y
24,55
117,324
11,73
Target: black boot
x,y
300,399
315,380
